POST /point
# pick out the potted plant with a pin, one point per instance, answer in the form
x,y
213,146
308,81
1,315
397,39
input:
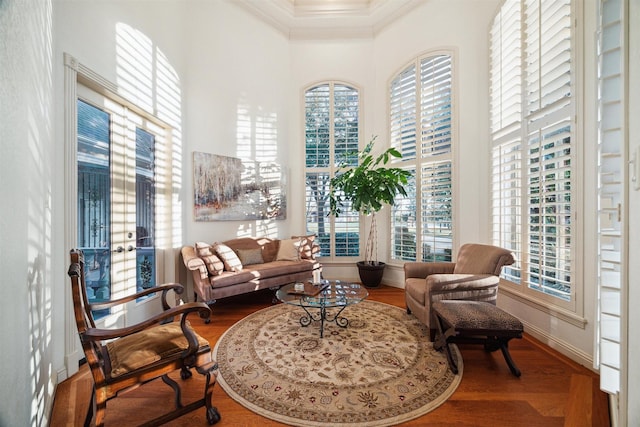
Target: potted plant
x,y
368,186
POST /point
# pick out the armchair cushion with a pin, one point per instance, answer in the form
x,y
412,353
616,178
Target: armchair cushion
x,y
474,258
140,349
444,286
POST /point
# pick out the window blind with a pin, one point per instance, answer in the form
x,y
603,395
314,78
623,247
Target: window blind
x,y
611,192
532,111
402,99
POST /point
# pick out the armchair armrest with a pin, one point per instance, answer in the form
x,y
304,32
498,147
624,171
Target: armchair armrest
x,y
420,270
98,334
165,288
440,284
95,334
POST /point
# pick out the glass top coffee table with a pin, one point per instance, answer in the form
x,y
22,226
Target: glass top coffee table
x,y
315,299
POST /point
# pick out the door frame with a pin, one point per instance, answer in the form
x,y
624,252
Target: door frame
x,y
76,74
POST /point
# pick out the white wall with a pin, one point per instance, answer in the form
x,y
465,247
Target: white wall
x,y
30,334
462,27
237,100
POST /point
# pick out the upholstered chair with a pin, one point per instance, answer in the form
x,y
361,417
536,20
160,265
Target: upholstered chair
x,y
474,276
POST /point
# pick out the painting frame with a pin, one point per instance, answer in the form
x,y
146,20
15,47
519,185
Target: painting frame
x,y
232,189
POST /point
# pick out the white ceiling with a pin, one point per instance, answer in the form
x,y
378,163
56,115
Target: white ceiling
x,y
325,19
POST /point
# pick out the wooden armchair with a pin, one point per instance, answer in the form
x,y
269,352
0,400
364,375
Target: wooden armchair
x,y
123,358
473,277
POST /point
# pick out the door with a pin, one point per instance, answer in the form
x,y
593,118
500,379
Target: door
x,y
116,203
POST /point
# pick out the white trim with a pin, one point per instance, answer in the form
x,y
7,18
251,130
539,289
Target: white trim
x,y
72,347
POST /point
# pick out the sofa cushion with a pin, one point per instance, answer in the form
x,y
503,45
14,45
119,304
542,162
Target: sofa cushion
x,y
308,247
269,246
213,263
228,257
250,256
289,250
230,278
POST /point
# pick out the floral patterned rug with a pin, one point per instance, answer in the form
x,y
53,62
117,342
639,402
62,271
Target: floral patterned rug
x,y
380,370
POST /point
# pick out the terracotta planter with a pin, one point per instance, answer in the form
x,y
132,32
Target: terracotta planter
x,y
371,274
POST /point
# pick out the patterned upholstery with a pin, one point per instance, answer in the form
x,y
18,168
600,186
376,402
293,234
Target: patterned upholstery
x,y
475,322
476,315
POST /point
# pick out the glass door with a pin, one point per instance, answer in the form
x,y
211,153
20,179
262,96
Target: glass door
x,y
116,202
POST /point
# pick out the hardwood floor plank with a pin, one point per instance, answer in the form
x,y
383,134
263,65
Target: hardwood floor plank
x,y
552,391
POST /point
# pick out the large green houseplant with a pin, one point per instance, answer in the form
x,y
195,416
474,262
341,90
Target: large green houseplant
x,y
368,187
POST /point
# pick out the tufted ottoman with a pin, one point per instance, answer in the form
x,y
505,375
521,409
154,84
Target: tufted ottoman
x,y
475,322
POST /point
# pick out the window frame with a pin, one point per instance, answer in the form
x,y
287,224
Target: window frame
x,y
420,162
518,133
332,168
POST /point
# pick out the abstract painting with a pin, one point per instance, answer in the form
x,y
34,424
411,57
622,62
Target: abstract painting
x,y
229,188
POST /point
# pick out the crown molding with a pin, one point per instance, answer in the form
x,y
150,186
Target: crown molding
x,y
319,19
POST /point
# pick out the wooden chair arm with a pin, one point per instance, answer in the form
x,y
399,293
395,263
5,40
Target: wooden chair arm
x,y
421,270
176,287
97,334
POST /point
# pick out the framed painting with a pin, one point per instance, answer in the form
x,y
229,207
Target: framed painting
x,y
231,189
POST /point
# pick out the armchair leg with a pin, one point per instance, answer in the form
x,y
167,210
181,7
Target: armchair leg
x,y
101,407
213,416
176,390
89,415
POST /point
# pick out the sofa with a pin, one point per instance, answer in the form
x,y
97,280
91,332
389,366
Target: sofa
x,y
248,264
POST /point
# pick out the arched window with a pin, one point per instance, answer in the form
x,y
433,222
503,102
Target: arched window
x,y
421,125
332,130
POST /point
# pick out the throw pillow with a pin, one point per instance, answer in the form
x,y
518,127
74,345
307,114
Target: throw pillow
x,y
250,256
228,257
289,250
213,263
308,247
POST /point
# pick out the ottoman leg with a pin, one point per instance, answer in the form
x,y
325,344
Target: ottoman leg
x,y
504,346
441,341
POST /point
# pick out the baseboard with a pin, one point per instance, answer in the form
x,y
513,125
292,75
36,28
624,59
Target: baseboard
x,y
562,347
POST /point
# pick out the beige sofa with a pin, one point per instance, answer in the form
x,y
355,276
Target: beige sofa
x,y
248,264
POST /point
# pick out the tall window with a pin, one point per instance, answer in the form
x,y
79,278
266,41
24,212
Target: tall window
x,y
332,116
421,119
532,132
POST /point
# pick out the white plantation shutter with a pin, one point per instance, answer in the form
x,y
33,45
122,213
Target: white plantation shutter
x,y
507,203
332,116
506,71
506,132
435,105
612,223
345,124
403,214
421,122
403,112
437,230
317,128
532,120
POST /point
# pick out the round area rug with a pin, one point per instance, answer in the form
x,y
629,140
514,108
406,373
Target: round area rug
x,y
378,371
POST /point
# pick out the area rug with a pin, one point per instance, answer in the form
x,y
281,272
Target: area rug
x,y
380,370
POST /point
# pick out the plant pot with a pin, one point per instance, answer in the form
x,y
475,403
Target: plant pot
x,y
370,274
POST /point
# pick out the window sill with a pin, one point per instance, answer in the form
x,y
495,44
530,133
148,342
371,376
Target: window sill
x,y
557,312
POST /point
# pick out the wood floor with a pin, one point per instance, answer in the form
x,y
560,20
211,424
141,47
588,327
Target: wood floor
x,y
552,391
